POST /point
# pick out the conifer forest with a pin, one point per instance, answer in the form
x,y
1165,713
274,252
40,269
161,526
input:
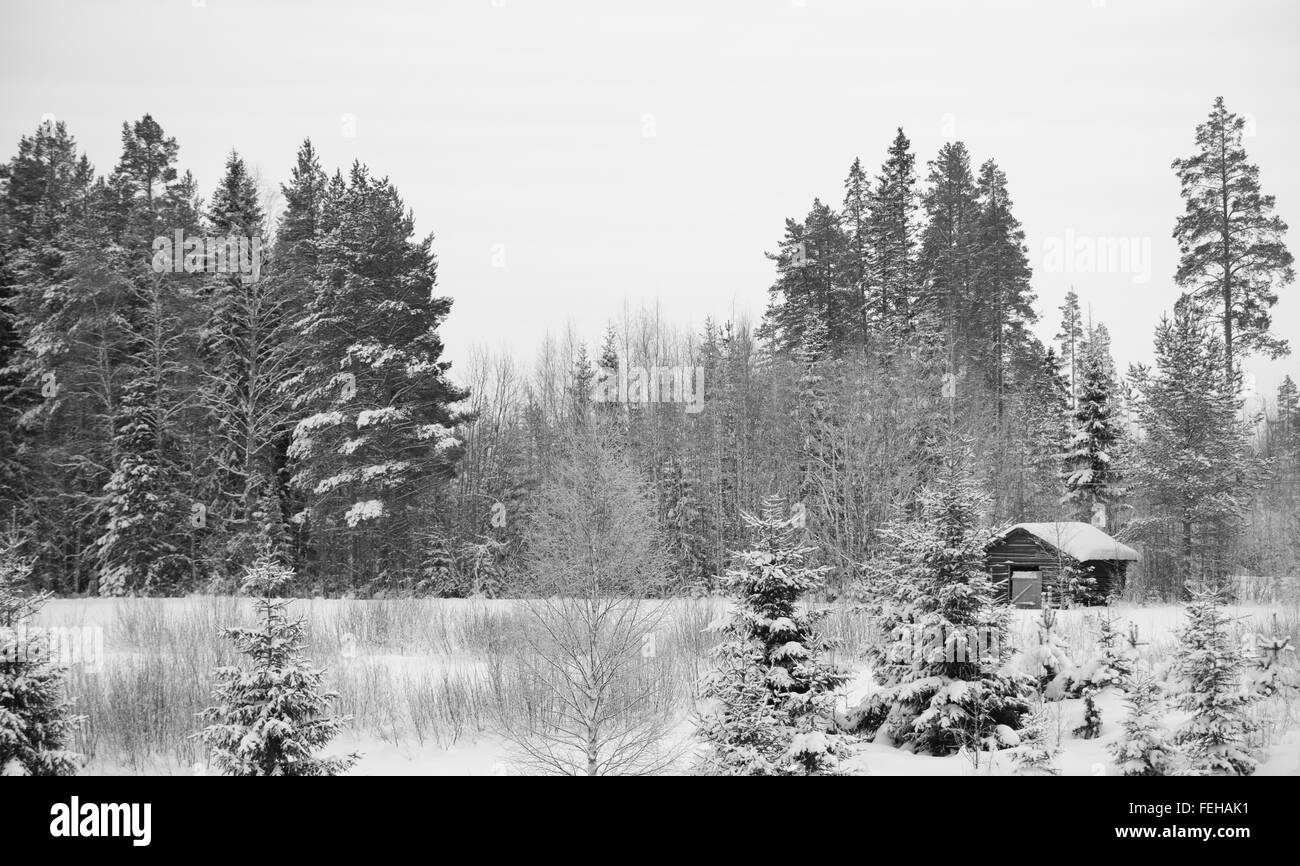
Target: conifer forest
x,y
702,390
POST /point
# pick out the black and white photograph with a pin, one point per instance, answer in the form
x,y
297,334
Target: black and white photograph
x,y
689,388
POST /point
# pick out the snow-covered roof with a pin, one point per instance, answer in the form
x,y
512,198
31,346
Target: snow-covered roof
x,y
1083,541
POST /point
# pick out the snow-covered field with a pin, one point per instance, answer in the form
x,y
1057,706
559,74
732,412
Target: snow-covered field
x,y
422,677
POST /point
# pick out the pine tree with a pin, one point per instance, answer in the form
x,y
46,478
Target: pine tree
x,y
1001,282
771,691
375,441
894,239
858,266
1208,667
949,250
1070,340
810,286
1144,748
942,669
1232,246
61,319
1266,674
249,354
1091,476
1288,417
1037,750
297,238
1194,465
1047,658
272,719
146,542
36,719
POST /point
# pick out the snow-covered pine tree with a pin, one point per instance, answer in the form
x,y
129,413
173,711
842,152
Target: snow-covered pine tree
x,y
1194,465
942,667
894,239
36,718
770,695
1117,658
273,718
1266,674
1001,282
1208,668
1091,476
145,508
52,406
1112,667
1144,748
1047,658
248,353
1037,750
375,444
810,287
949,247
144,546
857,266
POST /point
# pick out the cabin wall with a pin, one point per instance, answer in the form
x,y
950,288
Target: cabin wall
x,y
1021,552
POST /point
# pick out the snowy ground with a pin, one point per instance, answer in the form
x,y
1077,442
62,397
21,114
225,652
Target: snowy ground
x,y
416,675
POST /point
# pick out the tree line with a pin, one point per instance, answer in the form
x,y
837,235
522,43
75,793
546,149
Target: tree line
x,y
163,427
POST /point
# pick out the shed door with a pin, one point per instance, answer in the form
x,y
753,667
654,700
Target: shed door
x,y
1026,589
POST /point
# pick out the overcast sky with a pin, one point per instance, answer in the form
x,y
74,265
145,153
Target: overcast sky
x,y
633,151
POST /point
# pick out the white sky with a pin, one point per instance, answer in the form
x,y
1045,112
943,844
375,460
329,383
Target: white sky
x,y
524,124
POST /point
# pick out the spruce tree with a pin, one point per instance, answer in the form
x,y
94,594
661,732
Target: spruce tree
x,y
374,442
858,268
1288,418
894,232
272,718
146,542
1091,476
1070,341
1233,253
810,286
1047,658
1208,669
62,318
942,666
36,718
1001,282
1193,465
770,696
1144,748
1037,750
949,251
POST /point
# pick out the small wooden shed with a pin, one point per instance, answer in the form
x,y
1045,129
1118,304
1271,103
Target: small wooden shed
x,y
1034,562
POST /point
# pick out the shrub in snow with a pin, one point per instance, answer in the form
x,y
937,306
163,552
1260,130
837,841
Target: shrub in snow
x,y
1144,748
1091,727
769,699
952,687
1112,667
1208,667
272,718
1266,675
1047,658
36,719
1036,754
